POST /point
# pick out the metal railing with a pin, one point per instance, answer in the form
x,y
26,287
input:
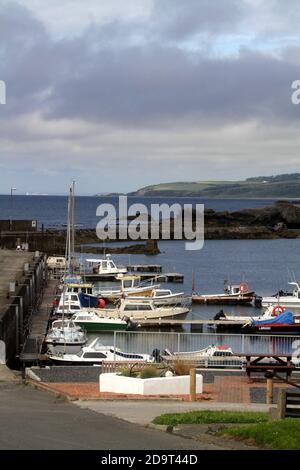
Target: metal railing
x,y
147,342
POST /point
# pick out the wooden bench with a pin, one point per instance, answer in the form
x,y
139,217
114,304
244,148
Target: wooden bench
x,y
288,405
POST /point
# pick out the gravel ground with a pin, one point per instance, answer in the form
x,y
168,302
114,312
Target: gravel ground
x,y
83,374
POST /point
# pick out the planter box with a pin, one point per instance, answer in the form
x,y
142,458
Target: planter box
x,y
179,385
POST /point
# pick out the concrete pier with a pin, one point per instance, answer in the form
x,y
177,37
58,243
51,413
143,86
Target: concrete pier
x,y
21,281
39,323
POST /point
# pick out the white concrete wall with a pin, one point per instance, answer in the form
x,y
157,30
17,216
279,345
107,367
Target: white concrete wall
x,y
179,385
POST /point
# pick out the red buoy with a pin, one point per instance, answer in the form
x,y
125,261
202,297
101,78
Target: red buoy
x,y
101,303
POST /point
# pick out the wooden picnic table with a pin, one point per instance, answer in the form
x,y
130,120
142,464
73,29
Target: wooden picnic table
x,y
256,363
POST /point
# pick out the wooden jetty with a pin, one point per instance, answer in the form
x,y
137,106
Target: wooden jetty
x,y
165,277
145,268
39,323
200,322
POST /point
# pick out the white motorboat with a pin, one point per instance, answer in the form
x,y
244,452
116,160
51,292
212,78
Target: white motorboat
x,y
163,297
130,286
96,353
65,336
93,321
106,267
286,299
71,302
143,310
211,356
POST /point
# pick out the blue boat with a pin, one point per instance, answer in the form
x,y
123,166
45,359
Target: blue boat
x,y
88,300
286,321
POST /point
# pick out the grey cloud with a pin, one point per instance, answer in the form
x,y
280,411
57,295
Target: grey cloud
x,y
151,85
177,19
101,77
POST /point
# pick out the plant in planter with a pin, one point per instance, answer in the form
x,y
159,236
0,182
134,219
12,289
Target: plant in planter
x,y
149,372
182,367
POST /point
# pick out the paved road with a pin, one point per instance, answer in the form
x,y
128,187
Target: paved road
x,y
143,413
33,419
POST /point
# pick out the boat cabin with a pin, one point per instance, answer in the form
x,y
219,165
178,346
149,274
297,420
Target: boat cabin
x,y
80,288
127,305
105,266
56,262
69,304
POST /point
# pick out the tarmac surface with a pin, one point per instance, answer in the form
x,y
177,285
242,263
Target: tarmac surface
x,y
36,420
143,413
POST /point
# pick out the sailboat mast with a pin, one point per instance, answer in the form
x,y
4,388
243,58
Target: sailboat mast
x,y
68,239
73,227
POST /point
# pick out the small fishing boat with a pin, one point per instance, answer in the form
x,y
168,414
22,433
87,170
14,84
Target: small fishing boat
x,y
96,353
130,285
270,313
65,336
163,297
92,321
286,299
143,310
237,294
106,267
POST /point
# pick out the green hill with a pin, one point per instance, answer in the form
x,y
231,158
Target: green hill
x,y
280,186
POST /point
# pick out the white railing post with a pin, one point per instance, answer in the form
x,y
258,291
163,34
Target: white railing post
x,y
115,343
243,343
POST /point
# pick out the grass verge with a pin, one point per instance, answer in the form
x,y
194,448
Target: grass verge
x,y
209,417
277,435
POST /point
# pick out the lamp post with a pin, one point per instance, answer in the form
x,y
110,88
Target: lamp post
x,y
11,205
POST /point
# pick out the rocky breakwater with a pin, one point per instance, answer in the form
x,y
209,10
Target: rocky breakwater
x,y
282,220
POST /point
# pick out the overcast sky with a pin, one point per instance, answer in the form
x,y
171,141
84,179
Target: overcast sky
x,y
121,94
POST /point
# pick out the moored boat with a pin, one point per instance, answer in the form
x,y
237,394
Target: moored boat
x,y
92,321
143,310
286,322
286,299
105,267
211,356
97,353
65,336
130,286
238,294
161,297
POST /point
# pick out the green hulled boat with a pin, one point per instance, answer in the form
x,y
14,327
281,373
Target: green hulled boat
x,y
94,322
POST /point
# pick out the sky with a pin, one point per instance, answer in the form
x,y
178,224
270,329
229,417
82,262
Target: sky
x,y
119,95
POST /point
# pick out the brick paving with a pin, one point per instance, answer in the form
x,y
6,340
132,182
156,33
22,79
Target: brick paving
x,y
91,391
224,389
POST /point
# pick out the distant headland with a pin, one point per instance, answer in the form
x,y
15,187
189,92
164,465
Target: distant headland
x,y
285,186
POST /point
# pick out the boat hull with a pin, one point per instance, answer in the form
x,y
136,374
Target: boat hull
x,y
141,292
66,348
224,299
94,327
164,313
278,328
282,301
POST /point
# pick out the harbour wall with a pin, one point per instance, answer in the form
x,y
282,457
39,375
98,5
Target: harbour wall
x,y
24,290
